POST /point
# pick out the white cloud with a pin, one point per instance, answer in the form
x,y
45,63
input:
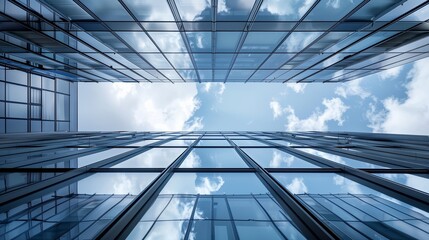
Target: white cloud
x,y
209,185
221,6
334,110
138,107
352,88
375,117
346,184
217,88
299,40
333,3
297,87
417,182
410,116
278,159
193,10
279,7
297,186
277,109
390,73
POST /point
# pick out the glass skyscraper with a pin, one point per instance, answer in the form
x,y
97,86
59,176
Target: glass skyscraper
x,y
59,183
214,185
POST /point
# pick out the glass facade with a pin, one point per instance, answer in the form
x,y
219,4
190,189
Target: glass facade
x,y
211,41
33,103
214,185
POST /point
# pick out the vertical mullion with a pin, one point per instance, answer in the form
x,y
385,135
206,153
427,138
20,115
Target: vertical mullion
x,y
269,217
234,227
309,225
123,224
188,230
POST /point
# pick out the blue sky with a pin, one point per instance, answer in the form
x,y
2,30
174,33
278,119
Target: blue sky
x,y
395,101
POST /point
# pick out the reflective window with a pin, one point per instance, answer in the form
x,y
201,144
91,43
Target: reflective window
x,y
243,143
48,105
420,182
93,158
116,183
341,202
339,159
75,210
273,158
16,93
154,158
214,183
213,158
213,143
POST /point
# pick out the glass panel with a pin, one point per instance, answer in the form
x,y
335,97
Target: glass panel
x,y
194,10
262,41
213,143
150,10
139,41
16,93
200,41
213,158
92,158
336,10
63,107
114,8
48,104
142,143
272,10
16,126
234,11
16,76
227,41
83,207
154,158
63,86
214,183
117,183
273,158
249,143
182,143
339,159
340,202
257,230
16,110
48,84
415,181
297,41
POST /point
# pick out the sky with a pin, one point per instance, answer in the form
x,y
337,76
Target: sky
x,y
392,101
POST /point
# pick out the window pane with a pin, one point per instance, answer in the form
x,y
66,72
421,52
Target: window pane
x,y
16,110
154,158
92,158
16,76
273,158
213,143
48,103
16,93
63,107
214,183
213,158
82,207
340,202
418,182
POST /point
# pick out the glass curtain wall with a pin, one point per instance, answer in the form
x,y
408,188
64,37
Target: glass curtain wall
x,y
214,185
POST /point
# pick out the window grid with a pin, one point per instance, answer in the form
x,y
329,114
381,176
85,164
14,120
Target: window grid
x,y
52,166
361,40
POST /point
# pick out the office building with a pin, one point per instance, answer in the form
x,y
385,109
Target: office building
x,y
211,41
214,185
58,183
48,46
